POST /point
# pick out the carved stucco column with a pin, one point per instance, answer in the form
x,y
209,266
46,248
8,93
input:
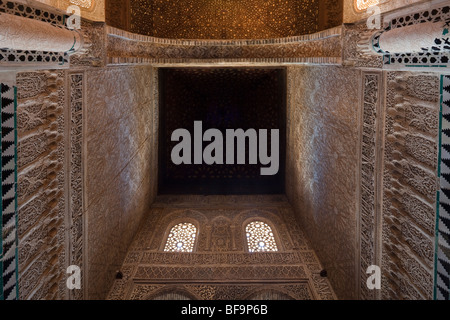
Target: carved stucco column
x,y
208,228
233,237
18,33
428,36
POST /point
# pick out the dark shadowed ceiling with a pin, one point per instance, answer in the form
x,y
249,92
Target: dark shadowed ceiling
x,y
223,19
221,99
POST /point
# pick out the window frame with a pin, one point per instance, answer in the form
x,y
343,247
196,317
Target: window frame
x,y
174,224
274,231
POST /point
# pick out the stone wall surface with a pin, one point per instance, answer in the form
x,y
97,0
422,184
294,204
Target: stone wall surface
x,y
322,165
120,179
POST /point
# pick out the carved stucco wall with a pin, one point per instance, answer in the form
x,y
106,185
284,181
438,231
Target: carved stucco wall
x,y
323,134
220,268
410,184
393,207
50,189
322,165
370,178
115,181
129,48
400,120
41,178
121,164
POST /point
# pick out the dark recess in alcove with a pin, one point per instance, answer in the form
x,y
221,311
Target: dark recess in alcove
x,y
222,98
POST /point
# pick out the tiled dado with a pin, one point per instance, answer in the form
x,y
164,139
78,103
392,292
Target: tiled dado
x,y
8,203
442,269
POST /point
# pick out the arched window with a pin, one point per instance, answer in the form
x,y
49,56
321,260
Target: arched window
x,y
361,5
260,237
181,238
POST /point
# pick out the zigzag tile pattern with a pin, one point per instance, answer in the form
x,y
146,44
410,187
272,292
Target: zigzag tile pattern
x,y
443,249
8,290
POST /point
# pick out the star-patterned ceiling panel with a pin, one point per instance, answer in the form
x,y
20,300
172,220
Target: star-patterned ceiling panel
x,y
224,19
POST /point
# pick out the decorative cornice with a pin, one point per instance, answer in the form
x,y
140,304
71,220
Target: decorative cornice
x,y
319,48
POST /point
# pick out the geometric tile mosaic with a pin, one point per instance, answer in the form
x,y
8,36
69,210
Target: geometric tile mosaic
x,y
442,260
8,204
